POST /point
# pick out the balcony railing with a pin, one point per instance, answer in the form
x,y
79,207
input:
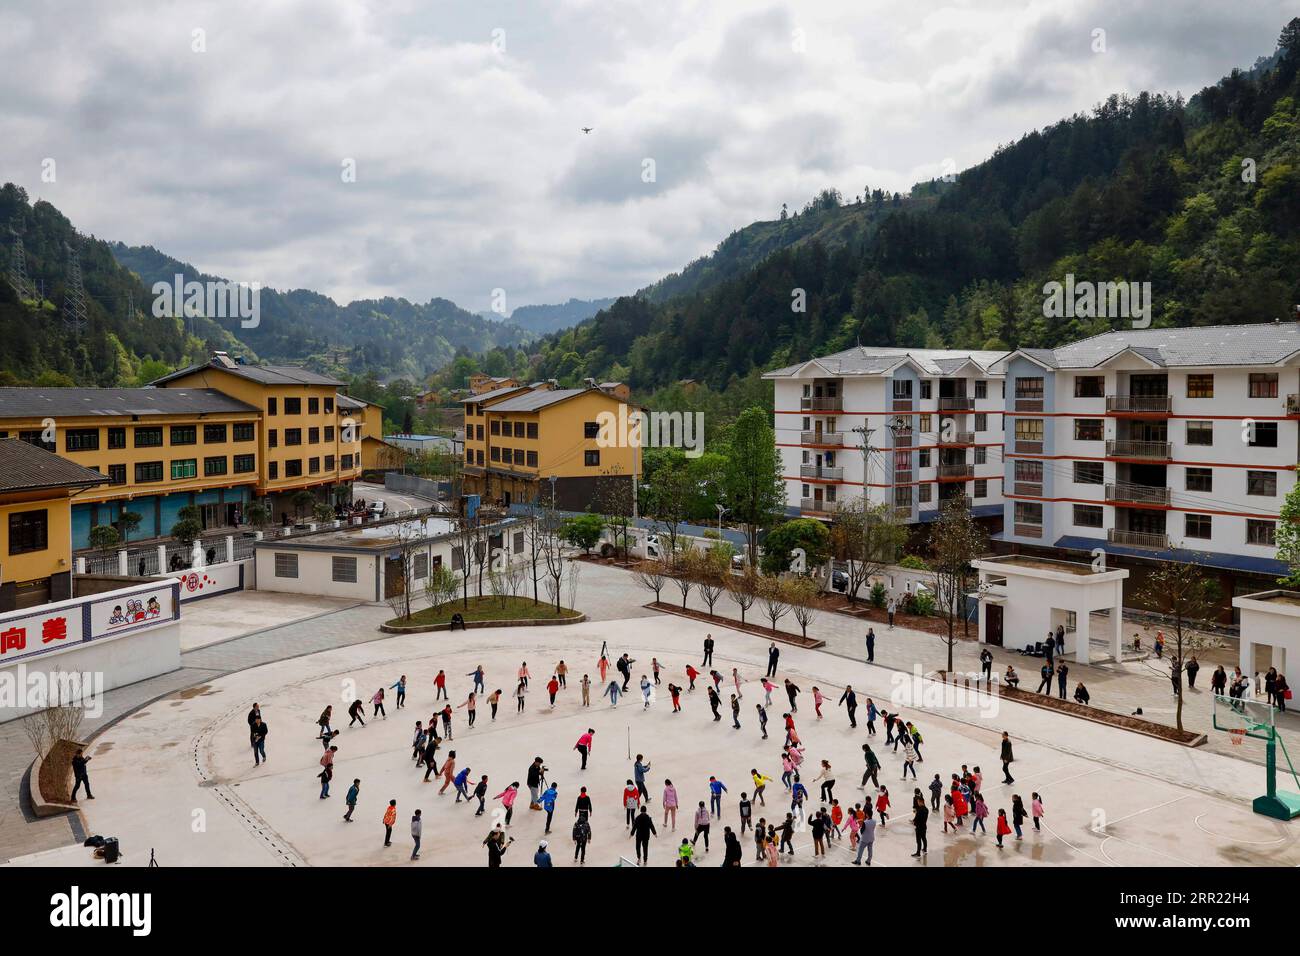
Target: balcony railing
x,y
902,476
902,405
1139,539
956,471
958,403
1028,530
821,438
1293,404
1138,494
1028,404
833,403
1151,450
819,505
903,511
1029,489
821,471
1154,404
957,438
1028,447
966,501
903,440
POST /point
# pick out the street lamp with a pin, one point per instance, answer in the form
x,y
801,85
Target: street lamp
x,y
722,510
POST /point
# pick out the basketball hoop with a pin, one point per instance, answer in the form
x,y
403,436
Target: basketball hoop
x,y
1237,736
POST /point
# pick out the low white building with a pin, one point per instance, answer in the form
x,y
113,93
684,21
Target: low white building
x,y
1270,619
1023,599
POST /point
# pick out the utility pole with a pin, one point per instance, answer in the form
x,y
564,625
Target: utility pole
x,y
74,298
18,267
865,432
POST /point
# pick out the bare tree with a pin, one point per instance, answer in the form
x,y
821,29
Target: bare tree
x,y
712,571
535,540
802,593
772,593
553,558
614,501
409,538
1178,589
571,584
867,538
466,535
684,568
955,541
651,575
743,589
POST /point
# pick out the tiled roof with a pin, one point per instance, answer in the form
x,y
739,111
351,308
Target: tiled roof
x,y
532,401
869,360
1261,344
263,374
73,402
25,467
495,393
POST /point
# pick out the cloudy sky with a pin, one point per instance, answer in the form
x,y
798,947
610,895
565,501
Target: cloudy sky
x,y
462,119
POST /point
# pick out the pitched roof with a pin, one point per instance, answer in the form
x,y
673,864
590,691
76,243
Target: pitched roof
x,y
1261,344
74,402
873,360
263,374
25,467
495,393
532,401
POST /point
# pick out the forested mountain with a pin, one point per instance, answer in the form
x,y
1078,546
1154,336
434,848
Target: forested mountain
x,y
120,341
391,337
540,319
1199,198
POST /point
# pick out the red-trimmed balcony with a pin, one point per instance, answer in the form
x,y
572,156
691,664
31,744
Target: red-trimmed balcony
x,y
822,439
1142,406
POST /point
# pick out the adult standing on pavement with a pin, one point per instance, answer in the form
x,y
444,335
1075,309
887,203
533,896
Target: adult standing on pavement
x,y
708,651
583,746
1060,679
986,665
417,831
642,829
850,700
920,817
257,737
80,775
773,655
871,644
639,770
1007,758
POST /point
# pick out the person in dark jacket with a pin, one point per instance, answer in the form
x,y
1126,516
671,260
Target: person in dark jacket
x,y
1007,758
920,818
642,829
732,852
80,775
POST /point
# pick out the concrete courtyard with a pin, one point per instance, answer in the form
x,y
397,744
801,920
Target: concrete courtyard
x,y
177,775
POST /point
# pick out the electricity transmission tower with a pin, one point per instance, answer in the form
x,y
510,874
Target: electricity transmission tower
x,y
74,298
17,273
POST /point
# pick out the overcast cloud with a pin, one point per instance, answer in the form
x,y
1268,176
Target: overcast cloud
x,y
463,120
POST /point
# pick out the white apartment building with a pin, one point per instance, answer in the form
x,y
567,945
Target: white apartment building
x,y
911,427
1143,441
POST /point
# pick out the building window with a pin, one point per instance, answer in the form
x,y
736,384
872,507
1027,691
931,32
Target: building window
x,y
926,423
286,565
1029,512
329,433
81,439
532,429
1089,386
1200,386
243,431
117,438
1031,471
148,438
421,566
478,456
1089,429
273,438
313,406
347,462
532,459
469,456
981,456
313,466
590,429
117,474
495,453
495,427
923,494
926,389
1029,387
1200,479
519,429
1261,532
902,496
923,459
591,458
293,468
1200,432
184,435
329,462
147,471
1089,472
1196,526
1087,516
1263,385
1261,483
271,406
903,388
343,570
293,406
185,468
273,470
981,487
215,466
478,432
981,421
29,531
1029,429
519,456
457,558
244,464
981,388
518,542
293,436
313,436
214,434
329,406
1263,435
